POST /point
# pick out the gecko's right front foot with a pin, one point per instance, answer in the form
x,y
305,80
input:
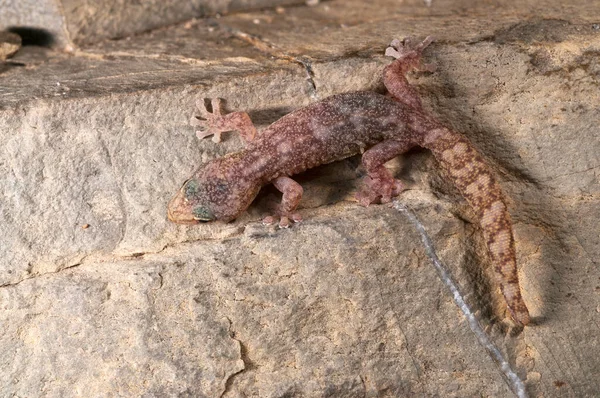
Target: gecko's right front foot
x,y
210,123
214,123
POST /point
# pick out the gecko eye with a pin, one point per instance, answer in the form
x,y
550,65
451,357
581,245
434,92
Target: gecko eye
x,y
203,214
190,187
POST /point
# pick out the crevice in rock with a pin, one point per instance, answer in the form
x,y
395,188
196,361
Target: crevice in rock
x,y
364,385
248,364
110,256
271,49
34,276
117,54
102,257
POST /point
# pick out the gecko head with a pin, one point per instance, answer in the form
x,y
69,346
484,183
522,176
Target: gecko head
x,y
189,206
211,194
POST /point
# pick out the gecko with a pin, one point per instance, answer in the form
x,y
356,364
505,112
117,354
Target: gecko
x,y
380,127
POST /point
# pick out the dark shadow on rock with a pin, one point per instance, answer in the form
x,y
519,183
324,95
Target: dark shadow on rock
x,y
31,36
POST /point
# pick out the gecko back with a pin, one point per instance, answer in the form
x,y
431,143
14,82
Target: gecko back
x,y
382,127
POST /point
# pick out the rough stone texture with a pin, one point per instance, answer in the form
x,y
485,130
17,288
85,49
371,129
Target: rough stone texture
x,y
102,293
69,23
9,45
257,313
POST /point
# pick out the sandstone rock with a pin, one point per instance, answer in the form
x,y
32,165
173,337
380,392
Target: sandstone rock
x,y
102,293
70,23
9,44
256,314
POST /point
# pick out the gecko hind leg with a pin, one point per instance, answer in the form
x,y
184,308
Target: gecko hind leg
x,y
379,184
214,123
292,193
407,54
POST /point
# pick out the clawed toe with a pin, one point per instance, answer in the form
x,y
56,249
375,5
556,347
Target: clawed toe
x,y
366,195
285,221
407,47
209,121
396,44
201,134
214,122
205,113
195,122
378,191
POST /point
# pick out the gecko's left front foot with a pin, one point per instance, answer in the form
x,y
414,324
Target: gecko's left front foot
x,y
285,220
286,210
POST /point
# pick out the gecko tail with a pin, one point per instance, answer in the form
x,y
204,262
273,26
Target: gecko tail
x,y
476,182
518,310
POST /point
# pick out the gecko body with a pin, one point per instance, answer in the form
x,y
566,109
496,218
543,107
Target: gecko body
x,y
380,127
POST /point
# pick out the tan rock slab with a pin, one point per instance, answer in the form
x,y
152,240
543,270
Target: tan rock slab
x,y
95,142
67,24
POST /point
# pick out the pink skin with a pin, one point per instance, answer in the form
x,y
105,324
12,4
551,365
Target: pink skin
x,y
338,127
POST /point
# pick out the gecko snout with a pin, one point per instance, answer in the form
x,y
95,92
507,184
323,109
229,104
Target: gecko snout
x,y
185,208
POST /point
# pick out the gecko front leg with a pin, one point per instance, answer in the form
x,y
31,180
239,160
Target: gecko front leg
x,y
292,193
214,123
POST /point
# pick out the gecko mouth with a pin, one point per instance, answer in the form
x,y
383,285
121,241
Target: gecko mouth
x,y
179,211
180,218
183,211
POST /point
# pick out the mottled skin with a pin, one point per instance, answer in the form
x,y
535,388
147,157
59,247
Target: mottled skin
x,y
379,126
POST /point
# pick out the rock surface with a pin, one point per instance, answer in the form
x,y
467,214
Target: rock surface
x,y
9,45
257,313
101,295
70,23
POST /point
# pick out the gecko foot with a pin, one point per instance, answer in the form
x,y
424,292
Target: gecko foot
x,y
285,211
216,122
284,220
210,123
379,187
409,52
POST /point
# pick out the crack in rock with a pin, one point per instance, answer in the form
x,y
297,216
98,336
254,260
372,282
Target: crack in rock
x,y
273,50
38,275
248,365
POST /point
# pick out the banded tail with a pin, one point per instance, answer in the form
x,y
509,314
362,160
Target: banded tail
x,y
476,182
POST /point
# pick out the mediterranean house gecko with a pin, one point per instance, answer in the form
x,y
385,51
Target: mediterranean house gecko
x,y
380,127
